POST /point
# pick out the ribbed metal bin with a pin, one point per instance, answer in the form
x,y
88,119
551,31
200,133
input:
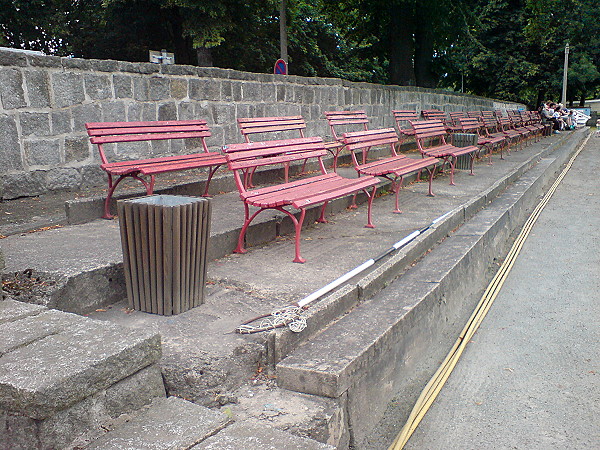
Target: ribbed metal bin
x,y
165,241
464,140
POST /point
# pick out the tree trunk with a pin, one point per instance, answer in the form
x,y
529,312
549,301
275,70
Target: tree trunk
x,y
424,44
401,48
183,50
204,57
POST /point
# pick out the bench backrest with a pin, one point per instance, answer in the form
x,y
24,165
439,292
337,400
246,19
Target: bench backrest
x,y
469,125
474,114
490,123
117,132
255,125
364,140
434,114
429,131
454,116
403,118
250,155
337,119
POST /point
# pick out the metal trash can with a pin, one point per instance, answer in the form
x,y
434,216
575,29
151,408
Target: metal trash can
x,y
464,140
165,241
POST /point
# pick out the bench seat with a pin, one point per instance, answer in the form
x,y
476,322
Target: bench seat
x,y
294,195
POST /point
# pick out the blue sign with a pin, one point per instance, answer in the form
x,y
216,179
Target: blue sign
x,y
280,67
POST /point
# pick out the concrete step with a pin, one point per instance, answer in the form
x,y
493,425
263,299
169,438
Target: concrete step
x,y
251,437
371,354
168,423
61,374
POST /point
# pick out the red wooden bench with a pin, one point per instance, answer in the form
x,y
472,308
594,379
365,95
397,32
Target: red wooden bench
x,y
403,119
345,121
267,125
509,129
492,129
294,195
436,114
121,132
471,125
393,168
431,140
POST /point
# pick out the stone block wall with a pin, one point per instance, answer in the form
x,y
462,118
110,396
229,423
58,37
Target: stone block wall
x,y
45,102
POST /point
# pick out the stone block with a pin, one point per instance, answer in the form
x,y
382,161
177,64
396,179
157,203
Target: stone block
x,y
104,65
205,89
251,92
12,93
68,89
10,152
92,175
167,423
34,124
167,111
254,437
114,111
179,88
97,87
37,83
176,69
64,178
76,425
82,114
123,86
43,61
42,152
185,111
11,311
24,184
60,370
76,63
159,88
9,57
22,332
140,89
61,121
223,114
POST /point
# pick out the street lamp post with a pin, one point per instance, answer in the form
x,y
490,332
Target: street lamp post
x,y
564,86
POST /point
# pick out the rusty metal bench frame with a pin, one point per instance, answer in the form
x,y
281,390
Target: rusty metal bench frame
x,y
395,167
294,195
431,140
120,132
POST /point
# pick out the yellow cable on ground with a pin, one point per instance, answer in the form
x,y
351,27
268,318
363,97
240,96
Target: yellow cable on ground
x,y
434,386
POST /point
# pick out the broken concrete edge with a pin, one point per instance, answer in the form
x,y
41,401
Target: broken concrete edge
x,y
103,354
362,288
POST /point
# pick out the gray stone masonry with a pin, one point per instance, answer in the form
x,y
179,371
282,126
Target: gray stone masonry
x,y
63,375
45,102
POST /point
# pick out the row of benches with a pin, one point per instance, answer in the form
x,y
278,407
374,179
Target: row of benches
x,y
242,159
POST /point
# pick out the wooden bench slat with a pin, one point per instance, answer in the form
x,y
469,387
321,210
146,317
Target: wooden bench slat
x,y
148,137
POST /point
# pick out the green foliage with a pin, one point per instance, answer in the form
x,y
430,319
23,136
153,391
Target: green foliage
x,y
506,49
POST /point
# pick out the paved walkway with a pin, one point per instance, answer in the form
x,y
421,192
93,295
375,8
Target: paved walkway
x,y
530,379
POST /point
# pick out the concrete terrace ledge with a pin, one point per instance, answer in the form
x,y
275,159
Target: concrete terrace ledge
x,y
386,343
485,216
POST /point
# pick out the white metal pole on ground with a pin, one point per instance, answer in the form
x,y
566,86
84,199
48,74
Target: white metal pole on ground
x,y
564,86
